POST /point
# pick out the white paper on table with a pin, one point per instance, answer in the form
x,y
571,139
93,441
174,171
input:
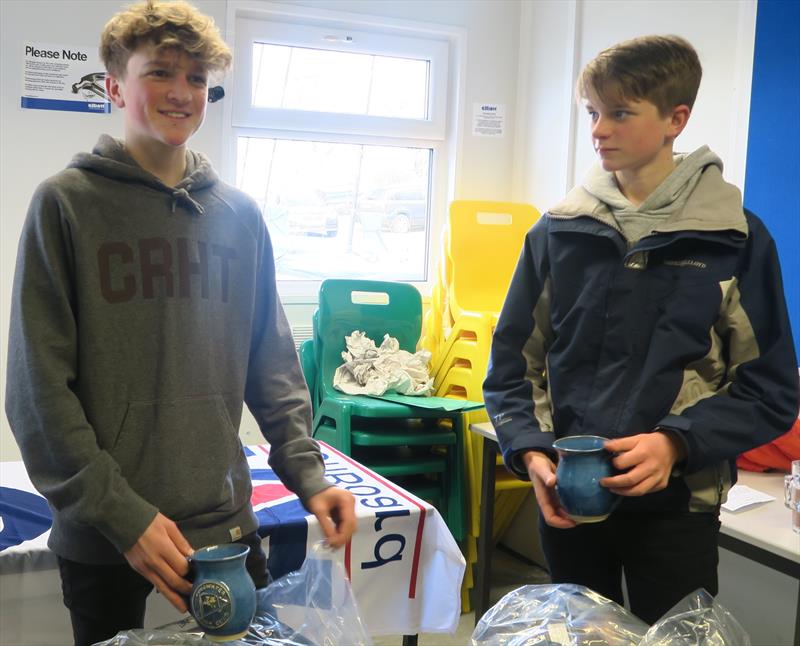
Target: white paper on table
x,y
743,496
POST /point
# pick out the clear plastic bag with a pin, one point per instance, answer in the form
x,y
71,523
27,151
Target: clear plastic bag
x,y
563,614
697,620
573,615
313,606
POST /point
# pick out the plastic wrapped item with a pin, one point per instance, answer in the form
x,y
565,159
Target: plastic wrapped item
x,y
697,620
557,614
573,615
313,606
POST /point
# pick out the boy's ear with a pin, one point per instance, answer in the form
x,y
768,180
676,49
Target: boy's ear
x,y
114,90
679,118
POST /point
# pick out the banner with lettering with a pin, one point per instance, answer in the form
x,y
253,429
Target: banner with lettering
x,y
63,77
404,566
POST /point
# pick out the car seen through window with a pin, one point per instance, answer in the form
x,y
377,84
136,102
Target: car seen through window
x,y
395,209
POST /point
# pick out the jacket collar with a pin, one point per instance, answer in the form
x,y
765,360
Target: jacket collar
x,y
713,206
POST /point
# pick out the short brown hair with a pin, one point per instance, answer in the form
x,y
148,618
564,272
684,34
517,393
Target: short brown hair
x,y
167,25
664,70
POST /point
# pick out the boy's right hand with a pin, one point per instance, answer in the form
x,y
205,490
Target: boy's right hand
x,y
542,473
160,556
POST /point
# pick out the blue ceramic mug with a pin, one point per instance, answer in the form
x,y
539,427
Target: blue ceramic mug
x,y
223,599
582,463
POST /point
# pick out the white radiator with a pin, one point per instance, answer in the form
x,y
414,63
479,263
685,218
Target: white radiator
x,y
301,333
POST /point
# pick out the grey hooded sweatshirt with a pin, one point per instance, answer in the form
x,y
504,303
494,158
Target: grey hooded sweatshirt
x,y
143,317
665,205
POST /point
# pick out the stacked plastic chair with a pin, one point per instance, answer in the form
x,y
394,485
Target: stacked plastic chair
x,y
419,448
480,249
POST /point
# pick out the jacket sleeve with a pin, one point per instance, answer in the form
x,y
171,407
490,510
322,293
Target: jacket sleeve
x,y
759,400
515,390
58,444
276,391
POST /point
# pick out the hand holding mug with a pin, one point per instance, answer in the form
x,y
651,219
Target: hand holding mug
x,y
646,461
160,557
542,473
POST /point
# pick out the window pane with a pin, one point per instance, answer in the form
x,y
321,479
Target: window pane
x,y
340,210
320,80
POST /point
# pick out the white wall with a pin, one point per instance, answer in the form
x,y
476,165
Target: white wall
x,y
560,36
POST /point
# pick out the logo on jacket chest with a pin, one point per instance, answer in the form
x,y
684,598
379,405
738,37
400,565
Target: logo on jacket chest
x,y
640,260
153,267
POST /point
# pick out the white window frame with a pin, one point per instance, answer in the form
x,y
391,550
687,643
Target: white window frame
x,y
245,115
293,25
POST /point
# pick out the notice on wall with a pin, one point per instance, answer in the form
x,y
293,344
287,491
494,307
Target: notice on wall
x,y
63,77
488,119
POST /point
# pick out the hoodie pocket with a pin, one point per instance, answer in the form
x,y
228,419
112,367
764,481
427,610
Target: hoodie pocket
x,y
179,454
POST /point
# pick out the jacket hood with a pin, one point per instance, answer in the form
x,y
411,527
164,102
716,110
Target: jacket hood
x,y
110,159
694,196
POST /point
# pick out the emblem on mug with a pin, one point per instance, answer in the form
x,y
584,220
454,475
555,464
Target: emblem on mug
x,y
212,604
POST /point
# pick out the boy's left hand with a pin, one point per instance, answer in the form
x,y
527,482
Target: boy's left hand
x,y
646,459
335,509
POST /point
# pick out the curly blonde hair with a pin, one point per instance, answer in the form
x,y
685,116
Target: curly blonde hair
x,y
664,70
167,25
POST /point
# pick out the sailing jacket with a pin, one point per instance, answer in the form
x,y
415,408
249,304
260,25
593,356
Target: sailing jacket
x,y
685,330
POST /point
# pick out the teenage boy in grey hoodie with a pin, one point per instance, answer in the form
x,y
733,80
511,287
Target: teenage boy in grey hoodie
x,y
647,307
144,314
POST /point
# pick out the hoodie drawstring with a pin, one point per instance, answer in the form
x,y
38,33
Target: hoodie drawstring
x,y
183,194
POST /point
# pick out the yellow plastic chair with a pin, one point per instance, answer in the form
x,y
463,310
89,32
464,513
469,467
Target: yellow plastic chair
x,y
459,382
474,289
465,303
477,232
470,338
431,337
433,327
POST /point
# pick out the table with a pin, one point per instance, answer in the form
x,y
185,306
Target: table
x,y
761,533
404,565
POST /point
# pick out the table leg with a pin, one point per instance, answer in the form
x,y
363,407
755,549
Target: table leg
x,y
483,577
410,640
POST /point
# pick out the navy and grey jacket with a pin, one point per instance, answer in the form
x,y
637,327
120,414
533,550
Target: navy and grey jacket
x,y
686,330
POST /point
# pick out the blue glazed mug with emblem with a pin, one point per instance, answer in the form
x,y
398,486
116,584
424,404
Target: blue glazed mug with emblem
x,y
223,598
582,463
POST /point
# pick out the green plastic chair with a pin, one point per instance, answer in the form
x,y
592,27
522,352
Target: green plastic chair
x,y
410,445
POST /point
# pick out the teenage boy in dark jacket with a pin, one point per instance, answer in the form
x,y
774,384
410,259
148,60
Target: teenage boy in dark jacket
x,y
647,307
144,315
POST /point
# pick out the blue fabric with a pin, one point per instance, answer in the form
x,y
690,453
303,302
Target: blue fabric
x,y
284,521
25,516
263,474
